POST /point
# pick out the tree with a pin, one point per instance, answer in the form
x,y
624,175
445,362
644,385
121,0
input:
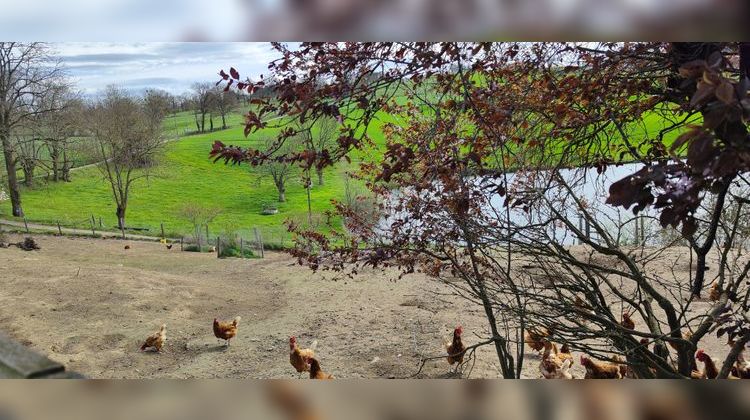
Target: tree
x,y
199,216
128,141
485,200
26,73
158,103
203,103
321,139
279,170
224,102
59,130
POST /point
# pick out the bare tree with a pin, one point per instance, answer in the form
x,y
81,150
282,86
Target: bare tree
x,y
202,102
279,170
128,141
158,103
320,138
224,103
26,73
199,216
58,132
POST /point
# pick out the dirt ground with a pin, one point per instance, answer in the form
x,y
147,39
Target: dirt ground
x,y
89,303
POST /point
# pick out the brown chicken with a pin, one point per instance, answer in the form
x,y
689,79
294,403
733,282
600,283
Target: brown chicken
x,y
226,330
565,354
156,340
627,322
316,372
456,348
554,364
715,292
709,371
536,338
298,357
742,366
600,370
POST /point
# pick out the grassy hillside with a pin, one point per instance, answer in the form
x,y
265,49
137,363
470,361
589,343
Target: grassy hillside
x,y
187,175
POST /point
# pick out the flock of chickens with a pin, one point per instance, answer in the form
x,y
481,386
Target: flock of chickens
x,y
303,360
556,364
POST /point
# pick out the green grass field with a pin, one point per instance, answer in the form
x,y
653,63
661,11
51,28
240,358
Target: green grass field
x,y
187,175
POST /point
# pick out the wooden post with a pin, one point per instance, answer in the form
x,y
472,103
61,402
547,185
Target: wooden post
x,y
258,241
100,223
26,223
218,247
262,251
242,249
93,226
181,244
162,230
59,229
208,240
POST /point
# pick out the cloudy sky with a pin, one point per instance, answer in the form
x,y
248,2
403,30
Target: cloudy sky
x,y
172,66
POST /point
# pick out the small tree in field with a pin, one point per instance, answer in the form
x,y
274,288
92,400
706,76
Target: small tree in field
x,y
280,171
199,216
128,140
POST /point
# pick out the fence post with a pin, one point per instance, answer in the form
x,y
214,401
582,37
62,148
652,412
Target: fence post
x,y
100,223
59,229
93,226
162,230
26,224
208,238
242,249
218,247
181,244
259,242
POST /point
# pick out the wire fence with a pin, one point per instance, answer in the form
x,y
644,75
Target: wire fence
x,y
245,242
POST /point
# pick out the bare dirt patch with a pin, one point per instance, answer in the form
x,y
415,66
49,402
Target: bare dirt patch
x,y
89,303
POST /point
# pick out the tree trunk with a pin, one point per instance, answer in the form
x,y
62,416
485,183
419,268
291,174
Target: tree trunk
x,y
203,122
120,217
10,167
66,167
54,156
28,173
223,122
211,122
320,175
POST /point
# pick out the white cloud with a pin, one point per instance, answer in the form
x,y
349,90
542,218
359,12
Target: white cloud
x,y
172,66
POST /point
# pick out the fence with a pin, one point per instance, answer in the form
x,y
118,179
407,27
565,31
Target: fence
x,y
241,242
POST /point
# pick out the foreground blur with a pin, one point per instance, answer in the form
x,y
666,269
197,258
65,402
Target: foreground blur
x,y
657,400
292,20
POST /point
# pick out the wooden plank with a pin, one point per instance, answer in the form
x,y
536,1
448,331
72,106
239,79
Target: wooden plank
x,y
21,362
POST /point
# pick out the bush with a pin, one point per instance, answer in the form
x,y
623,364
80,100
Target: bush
x,y
234,252
195,248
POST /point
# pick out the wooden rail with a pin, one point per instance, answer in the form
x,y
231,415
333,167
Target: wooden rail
x,y
20,362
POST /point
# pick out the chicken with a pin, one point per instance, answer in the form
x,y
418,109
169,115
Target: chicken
x,y
298,357
169,246
565,354
685,336
163,241
535,338
710,371
600,370
226,330
156,340
456,348
315,371
127,246
742,366
556,364
715,292
627,322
